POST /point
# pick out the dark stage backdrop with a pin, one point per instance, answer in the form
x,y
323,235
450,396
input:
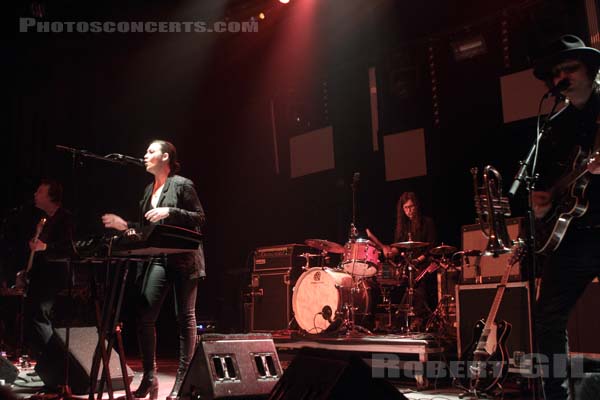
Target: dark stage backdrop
x,y
211,95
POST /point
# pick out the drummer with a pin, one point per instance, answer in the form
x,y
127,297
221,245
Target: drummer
x,y
412,225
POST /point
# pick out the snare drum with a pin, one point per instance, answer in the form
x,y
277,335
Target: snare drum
x,y
389,274
361,258
321,297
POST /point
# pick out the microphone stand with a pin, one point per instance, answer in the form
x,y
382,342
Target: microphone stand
x,y
114,158
77,154
530,181
353,232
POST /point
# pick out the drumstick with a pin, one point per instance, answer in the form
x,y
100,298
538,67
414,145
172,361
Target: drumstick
x,y
374,239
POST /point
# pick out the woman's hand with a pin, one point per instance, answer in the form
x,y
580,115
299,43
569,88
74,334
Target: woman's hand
x,y
114,221
156,214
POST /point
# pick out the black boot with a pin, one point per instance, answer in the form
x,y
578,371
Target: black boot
x,y
147,342
148,386
177,385
187,342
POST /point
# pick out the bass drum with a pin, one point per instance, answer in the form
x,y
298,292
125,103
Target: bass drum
x,y
321,297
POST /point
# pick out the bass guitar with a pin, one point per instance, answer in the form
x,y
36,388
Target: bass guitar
x,y
486,358
22,279
568,202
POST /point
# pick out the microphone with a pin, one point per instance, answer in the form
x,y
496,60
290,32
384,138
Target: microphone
x,y
326,313
556,90
127,159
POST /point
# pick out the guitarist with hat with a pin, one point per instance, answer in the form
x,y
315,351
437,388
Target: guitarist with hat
x,y
566,201
47,273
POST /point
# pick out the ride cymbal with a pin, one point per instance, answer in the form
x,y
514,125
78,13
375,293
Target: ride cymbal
x,y
442,250
410,245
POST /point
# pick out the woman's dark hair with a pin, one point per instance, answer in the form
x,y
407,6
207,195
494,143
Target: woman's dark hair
x,y
168,147
55,190
403,224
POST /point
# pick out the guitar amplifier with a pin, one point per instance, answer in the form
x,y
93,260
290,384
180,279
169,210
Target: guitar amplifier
x,y
492,268
285,256
473,302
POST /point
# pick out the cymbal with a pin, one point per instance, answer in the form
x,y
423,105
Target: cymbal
x,y
410,245
442,250
326,245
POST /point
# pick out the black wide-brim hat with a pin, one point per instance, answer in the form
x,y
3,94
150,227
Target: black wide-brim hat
x,y
566,47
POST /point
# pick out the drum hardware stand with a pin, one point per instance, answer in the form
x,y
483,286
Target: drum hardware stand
x,y
349,316
440,316
408,301
386,303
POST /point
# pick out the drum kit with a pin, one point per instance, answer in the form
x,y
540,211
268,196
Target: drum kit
x,y
339,299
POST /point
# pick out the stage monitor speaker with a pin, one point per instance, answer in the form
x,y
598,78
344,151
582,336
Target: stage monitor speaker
x,y
226,366
325,374
8,372
473,302
492,268
82,345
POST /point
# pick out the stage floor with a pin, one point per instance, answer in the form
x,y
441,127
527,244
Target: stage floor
x,y
409,350
167,368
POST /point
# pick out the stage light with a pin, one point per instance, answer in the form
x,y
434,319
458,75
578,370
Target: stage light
x,y
468,47
284,1
261,16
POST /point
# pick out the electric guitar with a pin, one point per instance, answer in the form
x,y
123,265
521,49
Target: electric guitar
x,y
568,202
486,358
22,279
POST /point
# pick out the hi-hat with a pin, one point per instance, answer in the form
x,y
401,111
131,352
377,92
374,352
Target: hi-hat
x,y
410,245
442,250
326,245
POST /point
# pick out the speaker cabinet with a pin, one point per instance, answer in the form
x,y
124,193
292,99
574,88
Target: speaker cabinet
x,y
491,268
8,371
231,366
473,302
82,345
271,307
326,374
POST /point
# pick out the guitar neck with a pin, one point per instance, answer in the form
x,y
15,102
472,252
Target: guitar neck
x,y
30,261
498,298
481,345
38,232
